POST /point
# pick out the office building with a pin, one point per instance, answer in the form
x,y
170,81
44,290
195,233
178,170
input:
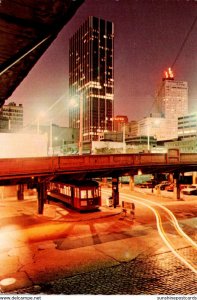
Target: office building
x,y
91,78
131,129
11,117
187,126
120,122
152,127
172,102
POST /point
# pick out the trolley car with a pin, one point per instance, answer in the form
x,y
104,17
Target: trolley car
x,y
83,195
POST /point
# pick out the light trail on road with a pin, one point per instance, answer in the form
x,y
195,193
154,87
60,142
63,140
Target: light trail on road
x,y
163,235
175,221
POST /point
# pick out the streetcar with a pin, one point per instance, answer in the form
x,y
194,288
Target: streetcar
x,y
82,195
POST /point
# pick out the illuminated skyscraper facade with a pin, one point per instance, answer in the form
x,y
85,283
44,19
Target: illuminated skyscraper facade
x,y
172,102
91,77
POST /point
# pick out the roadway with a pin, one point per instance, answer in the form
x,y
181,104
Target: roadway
x,y
98,253
168,228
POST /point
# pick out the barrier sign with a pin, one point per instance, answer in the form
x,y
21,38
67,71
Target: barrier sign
x,y
128,205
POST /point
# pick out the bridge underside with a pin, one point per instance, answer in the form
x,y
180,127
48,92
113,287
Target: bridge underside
x,y
23,26
39,182
89,174
37,172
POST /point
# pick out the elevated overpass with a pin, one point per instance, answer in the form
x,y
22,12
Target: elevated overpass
x,y
90,166
38,171
27,29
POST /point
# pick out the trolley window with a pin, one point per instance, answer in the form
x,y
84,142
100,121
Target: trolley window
x,y
68,191
90,194
77,192
83,194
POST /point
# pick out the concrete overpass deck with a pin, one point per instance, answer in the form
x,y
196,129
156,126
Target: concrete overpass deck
x,y
36,172
95,165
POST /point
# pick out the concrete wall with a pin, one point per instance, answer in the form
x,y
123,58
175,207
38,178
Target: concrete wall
x,y
22,145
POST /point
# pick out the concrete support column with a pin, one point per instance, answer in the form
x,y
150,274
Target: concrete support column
x,y
194,177
131,183
177,186
104,182
115,191
41,189
171,177
20,192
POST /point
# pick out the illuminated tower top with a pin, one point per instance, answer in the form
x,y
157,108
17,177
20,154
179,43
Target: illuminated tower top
x,y
168,75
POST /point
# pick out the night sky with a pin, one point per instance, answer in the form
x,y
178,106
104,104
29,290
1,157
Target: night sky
x,y
148,37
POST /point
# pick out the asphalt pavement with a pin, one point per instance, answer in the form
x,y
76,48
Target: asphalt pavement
x,y
37,252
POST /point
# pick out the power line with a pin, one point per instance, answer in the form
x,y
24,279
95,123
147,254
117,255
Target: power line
x,y
177,57
184,42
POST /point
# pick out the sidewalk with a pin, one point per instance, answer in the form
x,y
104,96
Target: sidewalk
x,y
30,253
35,249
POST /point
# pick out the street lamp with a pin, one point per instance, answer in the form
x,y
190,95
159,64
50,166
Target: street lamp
x,y
148,136
124,144
50,149
81,125
40,115
80,105
51,139
151,123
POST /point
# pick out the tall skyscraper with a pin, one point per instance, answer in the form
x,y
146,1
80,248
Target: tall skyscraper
x,y
172,102
91,77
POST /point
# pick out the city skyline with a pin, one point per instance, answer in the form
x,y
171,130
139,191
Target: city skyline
x,y
147,40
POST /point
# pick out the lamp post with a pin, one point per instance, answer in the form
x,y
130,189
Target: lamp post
x,y
40,115
148,136
154,124
81,125
38,126
124,144
51,139
77,101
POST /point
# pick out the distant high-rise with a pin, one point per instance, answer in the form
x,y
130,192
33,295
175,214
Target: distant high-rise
x,y
91,77
11,117
172,102
120,122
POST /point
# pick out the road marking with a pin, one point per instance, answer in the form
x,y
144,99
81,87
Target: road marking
x,y
160,227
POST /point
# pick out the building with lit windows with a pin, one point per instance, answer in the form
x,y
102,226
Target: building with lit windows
x,y
120,122
187,126
172,102
91,78
11,117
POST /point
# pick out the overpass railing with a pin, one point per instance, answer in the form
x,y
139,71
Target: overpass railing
x,y
50,165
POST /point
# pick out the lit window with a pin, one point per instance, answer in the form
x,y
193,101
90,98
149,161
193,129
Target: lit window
x,y
83,194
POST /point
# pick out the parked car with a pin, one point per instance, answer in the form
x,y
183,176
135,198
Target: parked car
x,y
162,186
190,190
147,185
170,187
183,186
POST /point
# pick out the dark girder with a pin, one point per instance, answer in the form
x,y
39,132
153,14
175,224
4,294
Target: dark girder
x,y
23,26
